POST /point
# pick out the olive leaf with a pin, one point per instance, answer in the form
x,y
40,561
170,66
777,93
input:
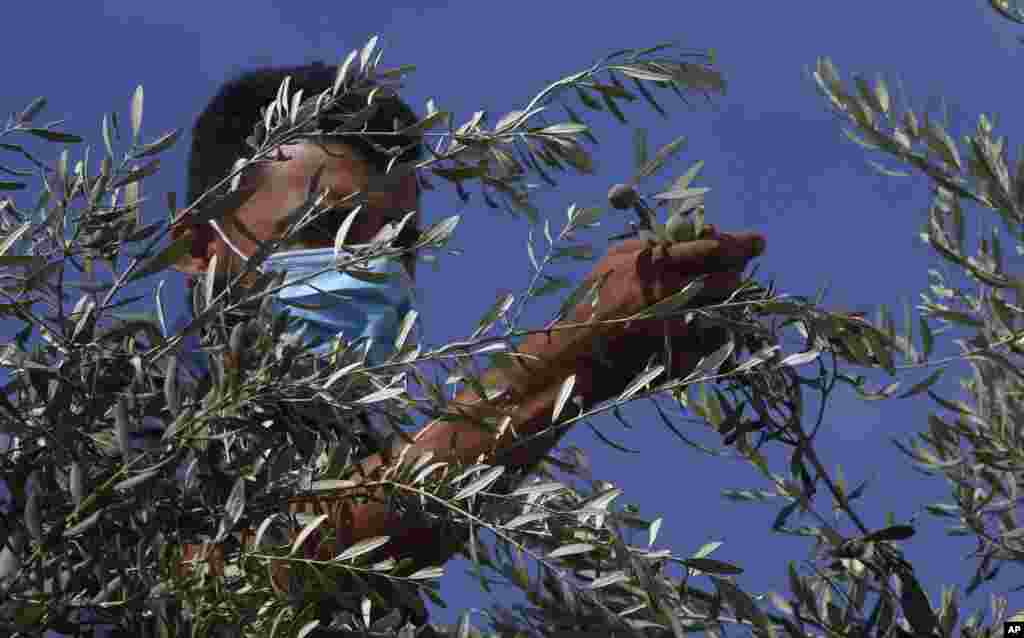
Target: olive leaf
x,y
363,547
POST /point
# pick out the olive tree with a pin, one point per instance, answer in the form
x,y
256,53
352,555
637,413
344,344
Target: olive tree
x,y
98,524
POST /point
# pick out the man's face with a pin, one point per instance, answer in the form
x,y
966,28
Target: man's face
x,y
282,186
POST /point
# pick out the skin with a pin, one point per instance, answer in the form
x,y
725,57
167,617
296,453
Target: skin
x,y
282,186
637,273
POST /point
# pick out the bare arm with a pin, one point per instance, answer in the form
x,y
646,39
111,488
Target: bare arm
x,y
637,274
529,400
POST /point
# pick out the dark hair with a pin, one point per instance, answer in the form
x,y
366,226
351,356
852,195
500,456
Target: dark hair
x,y
221,130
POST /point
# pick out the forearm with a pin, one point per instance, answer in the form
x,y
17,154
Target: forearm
x,y
524,393
528,436
531,390
465,442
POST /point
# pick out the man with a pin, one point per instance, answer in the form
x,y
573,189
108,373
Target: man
x,y
637,273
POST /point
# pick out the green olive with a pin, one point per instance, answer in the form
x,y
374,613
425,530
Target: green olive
x,y
681,228
622,197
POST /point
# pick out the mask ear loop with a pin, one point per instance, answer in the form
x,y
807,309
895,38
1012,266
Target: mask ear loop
x,y
227,241
193,280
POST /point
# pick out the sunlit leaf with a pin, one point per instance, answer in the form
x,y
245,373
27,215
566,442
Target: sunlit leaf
x,y
405,328
493,314
652,532
641,381
571,549
309,528
523,519
563,397
882,94
565,128
942,144
136,113
363,547
307,628
540,488
12,238
642,73
480,484
441,231
608,579
706,549
262,530
426,572
381,395
709,364
344,72
799,358
602,500
367,52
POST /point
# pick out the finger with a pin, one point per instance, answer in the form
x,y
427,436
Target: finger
x,y
628,246
633,245
745,244
722,251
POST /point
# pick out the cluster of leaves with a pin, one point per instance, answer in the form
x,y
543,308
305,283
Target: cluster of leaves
x,y
119,456
974,444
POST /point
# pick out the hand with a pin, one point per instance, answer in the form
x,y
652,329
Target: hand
x,y
639,273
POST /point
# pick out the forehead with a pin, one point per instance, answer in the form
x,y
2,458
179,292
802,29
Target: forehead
x,y
343,166
345,170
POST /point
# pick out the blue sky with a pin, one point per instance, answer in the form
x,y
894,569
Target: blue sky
x,y
775,159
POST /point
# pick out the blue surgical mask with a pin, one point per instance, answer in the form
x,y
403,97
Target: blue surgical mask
x,y
334,303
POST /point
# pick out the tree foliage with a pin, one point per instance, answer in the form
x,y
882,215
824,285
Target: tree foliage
x,y
119,457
